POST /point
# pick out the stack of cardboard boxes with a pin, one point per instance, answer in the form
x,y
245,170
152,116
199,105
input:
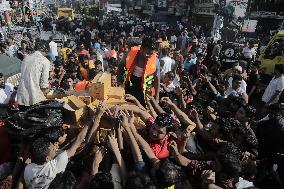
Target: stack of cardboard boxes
x,y
82,108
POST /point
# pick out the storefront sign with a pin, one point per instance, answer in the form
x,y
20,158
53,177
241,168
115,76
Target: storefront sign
x,y
203,7
265,14
203,10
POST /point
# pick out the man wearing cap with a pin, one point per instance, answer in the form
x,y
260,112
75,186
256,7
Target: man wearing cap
x,y
142,71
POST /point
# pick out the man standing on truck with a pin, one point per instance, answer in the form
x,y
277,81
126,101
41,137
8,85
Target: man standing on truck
x,y
142,68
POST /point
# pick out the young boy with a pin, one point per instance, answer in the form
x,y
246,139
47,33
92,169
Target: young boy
x,y
46,164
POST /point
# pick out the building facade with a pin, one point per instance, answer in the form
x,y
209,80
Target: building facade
x,y
203,12
268,13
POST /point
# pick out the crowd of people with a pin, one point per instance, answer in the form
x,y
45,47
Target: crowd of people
x,y
200,126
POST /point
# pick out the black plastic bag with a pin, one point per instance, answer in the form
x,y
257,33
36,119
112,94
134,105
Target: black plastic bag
x,y
37,119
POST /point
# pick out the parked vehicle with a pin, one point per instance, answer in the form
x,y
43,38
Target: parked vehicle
x,y
66,12
273,53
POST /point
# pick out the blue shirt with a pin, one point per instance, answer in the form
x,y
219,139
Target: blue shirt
x,y
189,63
97,46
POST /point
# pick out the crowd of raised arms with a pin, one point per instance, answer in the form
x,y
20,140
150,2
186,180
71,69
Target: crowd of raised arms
x,y
195,125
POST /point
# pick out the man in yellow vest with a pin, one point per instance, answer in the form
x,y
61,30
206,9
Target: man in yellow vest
x,y
142,71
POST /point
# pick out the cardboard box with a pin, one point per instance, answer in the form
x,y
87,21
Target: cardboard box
x,y
117,93
77,112
86,99
100,86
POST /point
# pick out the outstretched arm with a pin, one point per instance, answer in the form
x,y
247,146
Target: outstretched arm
x,y
97,117
126,122
141,113
130,98
83,133
183,118
155,105
143,144
113,145
209,84
152,111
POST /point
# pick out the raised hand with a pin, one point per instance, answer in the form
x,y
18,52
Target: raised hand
x,y
209,110
194,114
173,148
99,155
100,109
167,100
204,78
123,120
187,133
112,142
178,91
130,116
208,177
150,97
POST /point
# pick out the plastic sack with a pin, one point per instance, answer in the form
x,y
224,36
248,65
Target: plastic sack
x,y
37,119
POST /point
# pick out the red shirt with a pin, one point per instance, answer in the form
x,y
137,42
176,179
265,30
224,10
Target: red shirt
x,y
83,52
160,150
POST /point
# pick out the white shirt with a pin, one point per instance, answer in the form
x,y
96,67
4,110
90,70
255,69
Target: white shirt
x,y
138,72
6,93
53,48
34,76
116,178
247,52
170,87
276,84
243,184
166,65
78,30
238,92
40,176
12,50
173,39
176,81
243,84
